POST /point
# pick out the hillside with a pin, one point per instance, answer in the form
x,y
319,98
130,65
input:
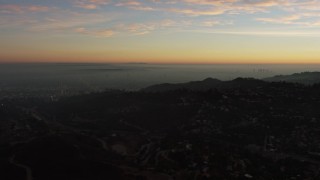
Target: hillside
x,y
207,84
303,78
263,131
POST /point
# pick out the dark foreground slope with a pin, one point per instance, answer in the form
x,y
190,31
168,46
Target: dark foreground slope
x,y
263,131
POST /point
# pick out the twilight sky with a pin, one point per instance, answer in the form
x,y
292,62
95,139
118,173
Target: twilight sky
x,y
160,31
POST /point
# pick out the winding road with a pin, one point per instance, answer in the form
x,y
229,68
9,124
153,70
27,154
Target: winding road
x,y
25,167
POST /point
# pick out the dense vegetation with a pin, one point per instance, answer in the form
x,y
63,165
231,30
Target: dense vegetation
x,y
246,129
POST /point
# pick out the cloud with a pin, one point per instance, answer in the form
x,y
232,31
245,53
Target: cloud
x,y
218,7
9,22
265,3
270,33
141,28
210,2
129,3
56,20
146,28
204,7
198,12
282,20
307,19
142,8
98,33
66,20
212,23
90,4
107,18
14,8
131,29
207,7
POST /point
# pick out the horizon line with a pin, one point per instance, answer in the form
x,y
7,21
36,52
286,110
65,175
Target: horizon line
x,y
163,63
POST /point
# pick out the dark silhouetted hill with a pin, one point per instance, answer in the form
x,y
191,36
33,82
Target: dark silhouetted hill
x,y
207,84
303,78
242,129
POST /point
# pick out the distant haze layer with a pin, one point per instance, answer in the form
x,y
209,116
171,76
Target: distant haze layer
x,y
93,77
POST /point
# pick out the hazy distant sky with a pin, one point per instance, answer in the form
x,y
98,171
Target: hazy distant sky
x,y
160,31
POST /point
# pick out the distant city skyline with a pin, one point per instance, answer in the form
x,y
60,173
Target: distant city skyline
x,y
160,31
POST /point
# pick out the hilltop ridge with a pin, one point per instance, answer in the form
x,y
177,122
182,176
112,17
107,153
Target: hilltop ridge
x,y
303,78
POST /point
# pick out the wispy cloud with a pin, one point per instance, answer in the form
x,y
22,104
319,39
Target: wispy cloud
x,y
90,4
212,23
98,33
96,18
132,29
66,21
55,20
15,8
210,2
292,19
219,7
270,33
197,12
307,19
129,3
